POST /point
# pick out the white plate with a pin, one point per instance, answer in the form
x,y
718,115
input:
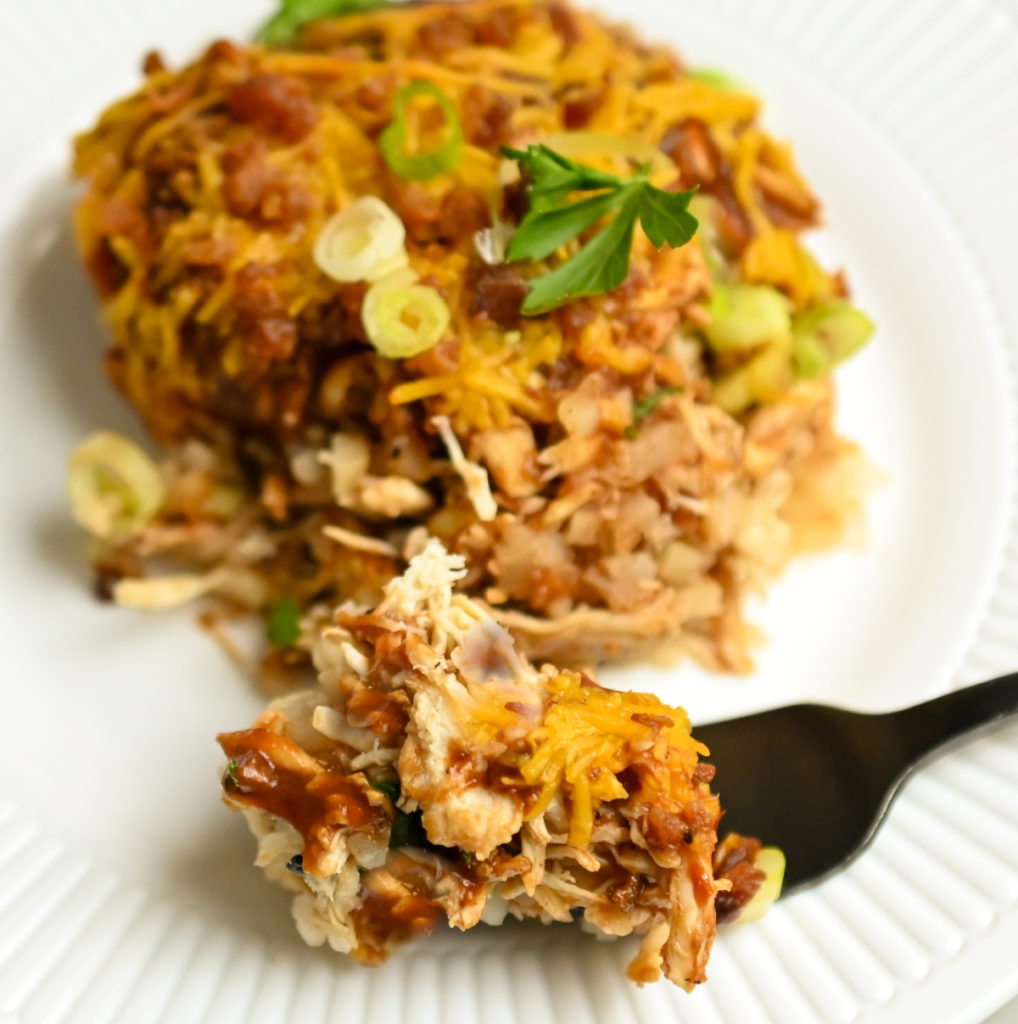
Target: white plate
x,y
126,891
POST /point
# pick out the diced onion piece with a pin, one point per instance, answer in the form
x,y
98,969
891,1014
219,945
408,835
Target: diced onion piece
x,y
826,335
364,241
680,564
115,488
746,315
771,861
403,318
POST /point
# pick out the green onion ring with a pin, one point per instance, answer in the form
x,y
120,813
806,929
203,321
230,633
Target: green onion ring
x,y
430,163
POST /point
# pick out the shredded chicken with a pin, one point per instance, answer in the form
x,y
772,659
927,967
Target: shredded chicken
x,y
474,477
436,775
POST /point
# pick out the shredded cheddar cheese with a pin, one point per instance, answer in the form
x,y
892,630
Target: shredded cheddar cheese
x,y
588,737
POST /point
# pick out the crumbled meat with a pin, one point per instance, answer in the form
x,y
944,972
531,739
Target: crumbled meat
x,y
279,104
498,295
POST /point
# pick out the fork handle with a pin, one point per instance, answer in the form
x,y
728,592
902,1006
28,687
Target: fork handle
x,y
927,727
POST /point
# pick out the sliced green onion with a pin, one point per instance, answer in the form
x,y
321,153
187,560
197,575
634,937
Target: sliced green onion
x,y
115,488
362,242
282,29
744,316
771,861
826,335
733,392
282,624
394,140
719,80
403,318
762,378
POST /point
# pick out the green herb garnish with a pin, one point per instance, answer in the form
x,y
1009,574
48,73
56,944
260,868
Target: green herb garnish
x,y
282,28
282,623
231,773
553,220
390,787
468,858
427,163
645,406
407,830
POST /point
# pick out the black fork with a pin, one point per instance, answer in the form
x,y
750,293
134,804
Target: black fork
x,y
817,781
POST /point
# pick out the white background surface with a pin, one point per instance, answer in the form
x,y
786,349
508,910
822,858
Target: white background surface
x,y
1006,1014
122,877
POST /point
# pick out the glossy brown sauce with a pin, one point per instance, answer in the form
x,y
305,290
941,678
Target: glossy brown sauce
x,y
671,829
380,922
383,713
270,772
702,879
464,769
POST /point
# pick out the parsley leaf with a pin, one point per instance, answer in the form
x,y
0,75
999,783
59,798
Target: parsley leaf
x,y
552,176
545,230
600,266
282,28
552,220
231,773
665,216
